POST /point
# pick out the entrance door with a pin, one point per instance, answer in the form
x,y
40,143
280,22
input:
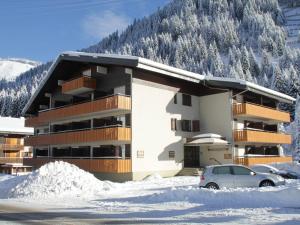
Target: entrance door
x,y
191,156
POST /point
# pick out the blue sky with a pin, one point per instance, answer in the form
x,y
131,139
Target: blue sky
x,y
40,29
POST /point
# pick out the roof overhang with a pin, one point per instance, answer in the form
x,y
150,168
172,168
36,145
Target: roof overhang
x,y
113,59
248,86
145,64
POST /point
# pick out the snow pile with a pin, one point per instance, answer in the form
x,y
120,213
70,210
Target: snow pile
x,y
57,179
284,196
294,167
153,177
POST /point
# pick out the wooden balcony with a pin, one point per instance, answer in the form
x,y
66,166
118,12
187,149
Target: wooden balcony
x,y
4,160
120,134
248,161
79,85
105,105
90,165
253,136
260,112
9,147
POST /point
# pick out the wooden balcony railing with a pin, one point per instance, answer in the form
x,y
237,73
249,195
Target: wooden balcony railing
x,y
79,85
74,137
4,160
261,137
10,147
258,111
90,165
111,103
248,161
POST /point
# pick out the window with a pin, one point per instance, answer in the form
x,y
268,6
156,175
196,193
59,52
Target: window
x,y
140,154
108,151
171,154
41,152
196,125
127,150
221,170
173,124
186,100
238,170
186,125
175,99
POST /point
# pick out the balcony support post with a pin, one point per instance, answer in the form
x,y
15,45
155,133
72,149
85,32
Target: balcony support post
x,y
123,151
91,152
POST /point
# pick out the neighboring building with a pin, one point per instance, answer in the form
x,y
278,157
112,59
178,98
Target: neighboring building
x,y
125,117
12,149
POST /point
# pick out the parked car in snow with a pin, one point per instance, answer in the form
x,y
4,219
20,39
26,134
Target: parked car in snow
x,y
263,168
231,176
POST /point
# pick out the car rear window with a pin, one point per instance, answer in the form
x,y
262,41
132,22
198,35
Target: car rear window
x,y
238,170
221,170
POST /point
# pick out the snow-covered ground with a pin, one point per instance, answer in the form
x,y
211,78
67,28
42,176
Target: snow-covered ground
x,y
10,68
62,188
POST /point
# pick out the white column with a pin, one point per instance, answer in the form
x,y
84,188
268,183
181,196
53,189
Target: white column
x,y
123,151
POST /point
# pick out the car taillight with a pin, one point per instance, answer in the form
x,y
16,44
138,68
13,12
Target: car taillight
x,y
202,178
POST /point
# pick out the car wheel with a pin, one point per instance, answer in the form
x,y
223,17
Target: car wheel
x,y
266,183
212,186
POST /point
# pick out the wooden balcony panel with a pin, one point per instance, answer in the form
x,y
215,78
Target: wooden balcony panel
x,y
261,137
248,161
79,85
90,165
257,111
4,160
103,134
9,147
117,102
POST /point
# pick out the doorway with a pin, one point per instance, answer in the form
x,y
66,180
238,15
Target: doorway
x,y
192,156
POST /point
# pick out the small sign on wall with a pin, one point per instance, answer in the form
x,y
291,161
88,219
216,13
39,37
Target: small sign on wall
x,y
140,154
171,154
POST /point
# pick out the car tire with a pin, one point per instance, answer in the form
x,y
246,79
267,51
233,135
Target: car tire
x,y
266,183
213,186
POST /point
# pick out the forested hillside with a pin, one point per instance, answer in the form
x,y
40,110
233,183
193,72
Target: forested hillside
x,y
242,39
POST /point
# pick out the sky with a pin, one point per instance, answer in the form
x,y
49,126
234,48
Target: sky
x,y
40,29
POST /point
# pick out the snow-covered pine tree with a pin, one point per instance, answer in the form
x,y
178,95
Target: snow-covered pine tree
x,y
296,131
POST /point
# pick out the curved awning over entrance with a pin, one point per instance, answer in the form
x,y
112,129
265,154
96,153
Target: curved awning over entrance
x,y
208,139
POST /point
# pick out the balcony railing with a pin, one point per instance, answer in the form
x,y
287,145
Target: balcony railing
x,y
90,165
121,134
4,160
253,136
111,103
259,111
79,85
252,160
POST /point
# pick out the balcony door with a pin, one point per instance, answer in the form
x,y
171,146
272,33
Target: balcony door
x,y
192,156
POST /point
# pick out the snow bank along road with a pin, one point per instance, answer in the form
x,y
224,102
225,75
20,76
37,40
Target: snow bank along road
x,y
62,193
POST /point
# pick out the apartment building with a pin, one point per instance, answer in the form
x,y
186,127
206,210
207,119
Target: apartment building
x,y
125,117
12,149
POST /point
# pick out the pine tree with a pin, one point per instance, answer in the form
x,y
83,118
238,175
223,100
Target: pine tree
x,y
296,131
245,60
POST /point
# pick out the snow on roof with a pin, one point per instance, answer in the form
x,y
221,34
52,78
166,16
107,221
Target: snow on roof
x,y
14,126
150,65
252,87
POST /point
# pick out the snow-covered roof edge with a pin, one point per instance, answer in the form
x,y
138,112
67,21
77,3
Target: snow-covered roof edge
x,y
10,125
150,65
253,87
139,62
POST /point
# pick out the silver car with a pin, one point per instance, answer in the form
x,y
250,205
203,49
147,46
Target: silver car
x,y
232,175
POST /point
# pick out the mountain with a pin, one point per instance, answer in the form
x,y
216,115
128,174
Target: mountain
x,y
243,39
10,68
